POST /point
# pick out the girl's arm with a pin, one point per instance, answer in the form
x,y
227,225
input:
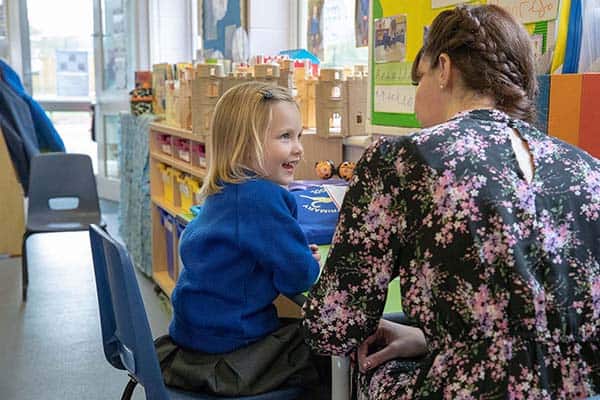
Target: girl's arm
x,y
270,228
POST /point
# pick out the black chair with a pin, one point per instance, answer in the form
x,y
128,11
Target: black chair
x,y
126,334
62,197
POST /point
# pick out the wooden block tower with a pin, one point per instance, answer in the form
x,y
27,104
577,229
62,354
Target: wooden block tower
x,y
236,78
306,93
286,75
160,74
357,104
268,73
207,88
183,96
331,103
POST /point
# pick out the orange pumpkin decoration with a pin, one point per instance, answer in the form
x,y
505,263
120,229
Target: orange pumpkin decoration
x,y
346,170
324,169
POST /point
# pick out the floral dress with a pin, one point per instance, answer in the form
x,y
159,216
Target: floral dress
x,y
502,275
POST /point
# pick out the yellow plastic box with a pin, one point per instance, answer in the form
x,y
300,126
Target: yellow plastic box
x,y
169,190
184,192
167,182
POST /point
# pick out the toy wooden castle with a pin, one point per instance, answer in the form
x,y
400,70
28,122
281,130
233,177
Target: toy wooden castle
x,y
335,102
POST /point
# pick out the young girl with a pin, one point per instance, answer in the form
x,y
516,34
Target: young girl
x,y
243,249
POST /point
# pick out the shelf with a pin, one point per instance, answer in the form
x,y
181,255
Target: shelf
x,y
175,131
164,281
173,210
180,165
358,141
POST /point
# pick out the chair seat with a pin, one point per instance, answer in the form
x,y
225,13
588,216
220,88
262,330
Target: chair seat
x,y
281,394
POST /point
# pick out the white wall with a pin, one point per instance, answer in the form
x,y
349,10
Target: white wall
x,y
272,26
170,31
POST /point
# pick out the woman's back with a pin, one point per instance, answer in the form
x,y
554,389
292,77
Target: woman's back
x,y
525,283
502,275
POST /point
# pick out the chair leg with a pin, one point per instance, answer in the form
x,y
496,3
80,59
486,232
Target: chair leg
x,y
128,392
24,269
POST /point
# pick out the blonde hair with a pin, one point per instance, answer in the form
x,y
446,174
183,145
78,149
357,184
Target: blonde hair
x,y
239,124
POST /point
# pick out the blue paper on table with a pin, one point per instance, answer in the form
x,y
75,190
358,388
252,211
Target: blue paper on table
x,y
317,214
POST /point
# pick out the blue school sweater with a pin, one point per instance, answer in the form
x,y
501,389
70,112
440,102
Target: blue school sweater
x,y
242,250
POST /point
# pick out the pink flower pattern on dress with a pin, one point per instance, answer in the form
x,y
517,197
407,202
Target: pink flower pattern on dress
x,y
502,275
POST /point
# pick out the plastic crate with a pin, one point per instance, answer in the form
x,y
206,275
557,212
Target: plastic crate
x,y
182,149
180,228
164,144
169,225
199,154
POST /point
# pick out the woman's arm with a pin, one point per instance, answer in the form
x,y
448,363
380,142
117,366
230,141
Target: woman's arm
x,y
345,305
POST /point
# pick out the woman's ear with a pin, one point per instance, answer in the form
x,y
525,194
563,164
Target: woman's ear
x,y
445,69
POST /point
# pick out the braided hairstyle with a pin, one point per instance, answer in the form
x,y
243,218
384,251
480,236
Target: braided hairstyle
x,y
492,51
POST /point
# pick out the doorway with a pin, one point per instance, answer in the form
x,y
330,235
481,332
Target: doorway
x,y
58,69
77,55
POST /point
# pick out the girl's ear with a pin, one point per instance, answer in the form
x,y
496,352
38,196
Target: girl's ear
x,y
445,70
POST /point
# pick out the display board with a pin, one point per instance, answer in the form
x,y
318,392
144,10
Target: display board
x,y
396,35
218,23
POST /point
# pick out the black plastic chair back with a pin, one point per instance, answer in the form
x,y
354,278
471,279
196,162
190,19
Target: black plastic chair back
x,y
58,179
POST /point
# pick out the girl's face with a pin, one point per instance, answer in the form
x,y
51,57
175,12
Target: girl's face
x,y
282,149
428,101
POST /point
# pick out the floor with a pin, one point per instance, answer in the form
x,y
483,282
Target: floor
x,y
50,347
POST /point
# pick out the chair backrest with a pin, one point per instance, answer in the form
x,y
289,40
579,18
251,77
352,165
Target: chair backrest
x,y
126,334
62,175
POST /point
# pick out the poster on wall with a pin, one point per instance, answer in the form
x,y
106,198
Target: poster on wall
x,y
390,39
72,74
399,28
445,3
362,23
528,11
314,37
221,21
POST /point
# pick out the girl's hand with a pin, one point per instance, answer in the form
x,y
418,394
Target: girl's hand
x,y
391,340
314,249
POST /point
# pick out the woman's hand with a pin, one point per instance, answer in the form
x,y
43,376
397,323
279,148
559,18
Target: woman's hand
x,y
314,249
391,340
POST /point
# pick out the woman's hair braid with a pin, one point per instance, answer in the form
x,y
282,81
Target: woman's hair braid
x,y
493,53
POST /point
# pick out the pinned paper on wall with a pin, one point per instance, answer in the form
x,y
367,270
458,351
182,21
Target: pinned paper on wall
x,y
394,73
390,39
445,3
218,21
527,11
394,99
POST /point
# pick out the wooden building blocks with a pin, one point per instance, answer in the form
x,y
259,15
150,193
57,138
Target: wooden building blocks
x,y
207,88
331,103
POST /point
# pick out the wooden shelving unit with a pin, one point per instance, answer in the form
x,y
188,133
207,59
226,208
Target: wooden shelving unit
x,y
160,271
12,212
315,148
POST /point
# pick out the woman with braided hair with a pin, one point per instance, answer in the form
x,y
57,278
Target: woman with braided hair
x,y
492,227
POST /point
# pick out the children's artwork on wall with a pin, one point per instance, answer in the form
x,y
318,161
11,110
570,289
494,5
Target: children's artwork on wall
x,y
315,28
218,23
390,39
362,23
391,94
528,11
445,3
